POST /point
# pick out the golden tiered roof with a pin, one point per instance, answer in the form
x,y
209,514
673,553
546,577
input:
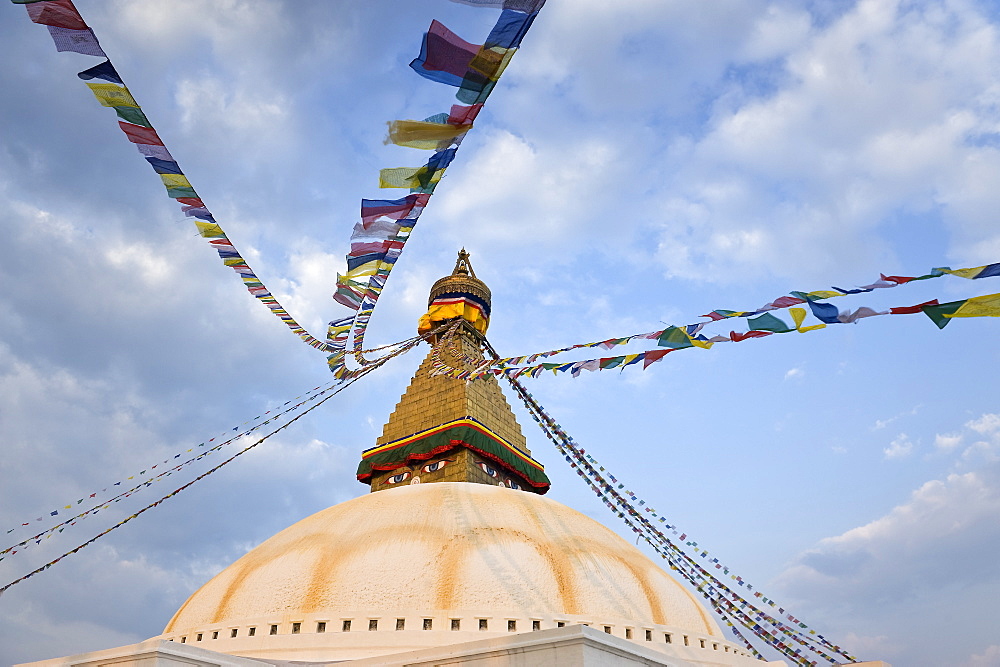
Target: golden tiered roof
x,y
432,401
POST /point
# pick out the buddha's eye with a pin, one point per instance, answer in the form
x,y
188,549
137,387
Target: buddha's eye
x,y
512,484
396,479
488,469
437,465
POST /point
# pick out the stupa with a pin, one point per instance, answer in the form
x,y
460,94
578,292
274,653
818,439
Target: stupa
x,y
455,557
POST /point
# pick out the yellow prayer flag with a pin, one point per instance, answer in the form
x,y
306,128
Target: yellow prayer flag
x,y
798,316
979,306
210,230
421,134
405,177
111,95
492,61
397,177
964,273
823,294
175,180
362,271
704,344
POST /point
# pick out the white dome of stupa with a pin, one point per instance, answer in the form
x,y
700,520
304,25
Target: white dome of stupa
x,y
428,565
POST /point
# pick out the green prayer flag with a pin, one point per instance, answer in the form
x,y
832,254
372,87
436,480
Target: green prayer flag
x,y
133,115
768,322
937,313
675,338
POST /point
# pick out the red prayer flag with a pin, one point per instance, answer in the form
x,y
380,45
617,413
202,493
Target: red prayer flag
x,y
912,310
653,356
58,13
447,52
736,338
461,115
140,135
785,301
899,280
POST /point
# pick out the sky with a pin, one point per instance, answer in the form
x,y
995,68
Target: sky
x,y
640,164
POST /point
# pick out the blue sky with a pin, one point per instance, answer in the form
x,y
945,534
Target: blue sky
x,y
640,164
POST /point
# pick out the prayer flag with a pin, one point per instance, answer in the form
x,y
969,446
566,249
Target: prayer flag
x,y
990,270
675,338
378,230
653,356
768,322
77,41
355,262
141,135
177,193
372,209
863,311
510,29
980,306
157,151
58,13
112,95
825,312
464,115
910,310
164,166
798,315
399,177
210,230
737,337
198,212
133,115
424,135
171,180
444,56
104,71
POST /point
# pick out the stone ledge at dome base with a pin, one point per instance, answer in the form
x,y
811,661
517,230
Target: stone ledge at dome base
x,y
151,653
570,646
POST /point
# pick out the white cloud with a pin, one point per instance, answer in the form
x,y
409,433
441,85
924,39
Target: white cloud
x,y
794,373
988,658
947,442
899,448
988,424
910,550
915,97
556,182
779,31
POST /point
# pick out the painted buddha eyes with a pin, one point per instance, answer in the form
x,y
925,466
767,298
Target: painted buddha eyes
x,y
488,469
396,479
512,484
437,465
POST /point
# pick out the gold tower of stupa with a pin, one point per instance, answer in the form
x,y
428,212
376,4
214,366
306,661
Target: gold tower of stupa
x,y
445,429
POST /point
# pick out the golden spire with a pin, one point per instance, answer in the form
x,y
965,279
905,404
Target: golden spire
x,y
446,429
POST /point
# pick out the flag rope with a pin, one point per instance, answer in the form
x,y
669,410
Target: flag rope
x,y
730,605
341,385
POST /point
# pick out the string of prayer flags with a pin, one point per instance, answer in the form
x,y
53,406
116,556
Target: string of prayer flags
x,y
796,641
333,391
446,58
224,439
764,324
677,338
70,33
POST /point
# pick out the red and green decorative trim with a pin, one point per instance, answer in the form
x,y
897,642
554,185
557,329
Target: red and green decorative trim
x,y
467,433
